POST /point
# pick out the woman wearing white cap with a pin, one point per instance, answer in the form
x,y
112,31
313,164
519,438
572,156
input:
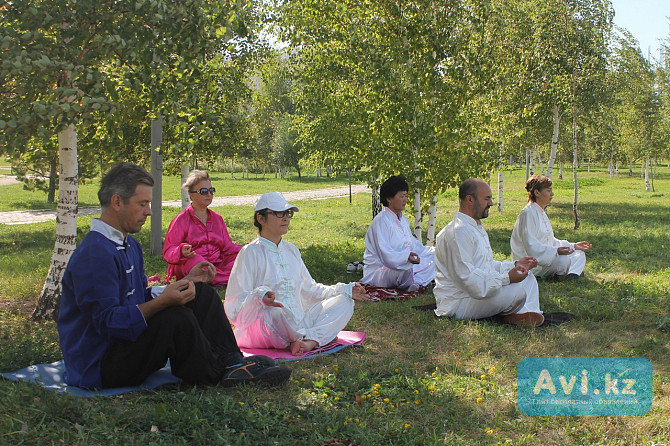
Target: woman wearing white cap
x,y
272,299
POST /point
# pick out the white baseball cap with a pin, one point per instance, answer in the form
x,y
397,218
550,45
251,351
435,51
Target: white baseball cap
x,y
274,201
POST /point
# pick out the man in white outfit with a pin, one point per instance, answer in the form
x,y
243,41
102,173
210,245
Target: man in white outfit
x,y
469,283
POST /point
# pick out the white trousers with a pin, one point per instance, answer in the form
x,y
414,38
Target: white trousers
x,y
421,274
520,297
561,265
276,327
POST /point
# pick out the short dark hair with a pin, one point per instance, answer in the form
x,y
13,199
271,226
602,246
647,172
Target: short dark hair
x,y
264,213
391,187
537,183
469,187
122,179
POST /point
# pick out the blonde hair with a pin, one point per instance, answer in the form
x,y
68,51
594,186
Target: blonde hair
x,y
195,177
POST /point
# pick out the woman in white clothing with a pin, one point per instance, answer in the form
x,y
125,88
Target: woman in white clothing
x,y
271,298
534,236
393,257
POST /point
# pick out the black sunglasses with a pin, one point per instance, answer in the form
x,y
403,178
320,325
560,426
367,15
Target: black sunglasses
x,y
282,214
203,191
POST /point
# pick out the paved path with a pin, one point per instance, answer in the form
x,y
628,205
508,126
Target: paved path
x,y
24,217
7,179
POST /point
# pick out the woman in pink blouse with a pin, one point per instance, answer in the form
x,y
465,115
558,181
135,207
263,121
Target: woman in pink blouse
x,y
198,234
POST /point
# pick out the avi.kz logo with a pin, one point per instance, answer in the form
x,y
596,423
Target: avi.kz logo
x,y
584,386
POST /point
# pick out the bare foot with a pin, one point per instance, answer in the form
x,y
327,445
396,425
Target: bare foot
x,y
300,347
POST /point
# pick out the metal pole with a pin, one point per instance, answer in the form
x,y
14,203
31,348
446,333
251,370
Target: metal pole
x,y
157,192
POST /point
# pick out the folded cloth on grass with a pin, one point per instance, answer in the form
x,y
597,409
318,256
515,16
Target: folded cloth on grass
x,y
52,377
378,293
344,339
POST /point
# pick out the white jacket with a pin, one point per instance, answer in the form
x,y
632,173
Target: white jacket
x,y
533,236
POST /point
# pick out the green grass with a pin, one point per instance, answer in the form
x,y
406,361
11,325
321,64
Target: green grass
x,y
418,380
15,197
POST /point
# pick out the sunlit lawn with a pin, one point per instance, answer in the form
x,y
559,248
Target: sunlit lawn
x,y
419,379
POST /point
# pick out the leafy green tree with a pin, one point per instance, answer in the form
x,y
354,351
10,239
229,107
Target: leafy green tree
x,y
286,147
384,84
638,105
65,65
272,112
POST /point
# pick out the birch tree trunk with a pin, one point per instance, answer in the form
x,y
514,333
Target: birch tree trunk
x,y
647,186
232,167
66,226
539,159
610,168
575,163
417,203
554,140
376,203
560,170
532,162
500,191
432,215
184,193
527,163
653,173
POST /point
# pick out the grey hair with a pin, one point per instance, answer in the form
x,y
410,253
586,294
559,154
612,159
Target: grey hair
x,y
122,180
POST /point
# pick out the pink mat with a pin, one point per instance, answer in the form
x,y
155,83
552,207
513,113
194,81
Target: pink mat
x,y
344,339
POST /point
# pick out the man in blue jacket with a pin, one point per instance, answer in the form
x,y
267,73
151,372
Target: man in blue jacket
x,y
114,331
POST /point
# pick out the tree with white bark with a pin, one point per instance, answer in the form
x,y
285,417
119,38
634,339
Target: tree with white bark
x,y
638,103
63,65
383,85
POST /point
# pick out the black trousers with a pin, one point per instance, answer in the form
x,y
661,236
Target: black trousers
x,y
196,337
